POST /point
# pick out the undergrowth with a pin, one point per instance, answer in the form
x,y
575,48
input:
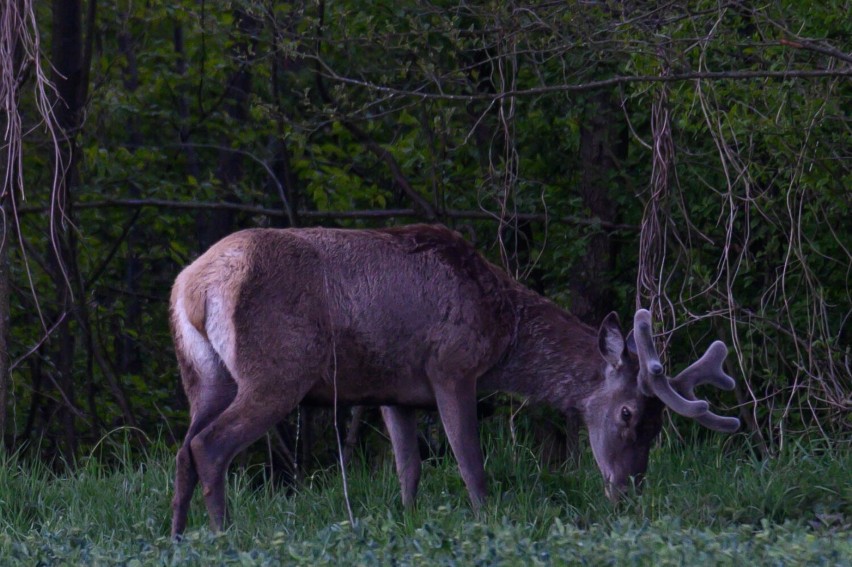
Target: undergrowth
x,y
706,501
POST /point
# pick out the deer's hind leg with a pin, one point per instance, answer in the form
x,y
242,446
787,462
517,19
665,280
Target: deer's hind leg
x,y
209,393
252,413
213,449
401,423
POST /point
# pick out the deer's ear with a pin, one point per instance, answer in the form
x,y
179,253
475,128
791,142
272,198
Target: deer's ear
x,y
610,339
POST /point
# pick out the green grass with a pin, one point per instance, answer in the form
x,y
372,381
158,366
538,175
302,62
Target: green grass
x,y
704,504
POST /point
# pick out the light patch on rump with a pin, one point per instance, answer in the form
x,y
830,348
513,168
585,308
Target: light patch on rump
x,y
193,344
219,325
204,299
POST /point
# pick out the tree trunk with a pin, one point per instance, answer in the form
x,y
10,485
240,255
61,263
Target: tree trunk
x,y
71,82
602,146
230,170
129,361
192,166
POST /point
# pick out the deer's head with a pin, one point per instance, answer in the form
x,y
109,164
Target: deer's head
x,y
624,415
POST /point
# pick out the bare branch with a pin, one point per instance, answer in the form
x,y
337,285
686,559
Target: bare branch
x,y
424,94
818,48
330,215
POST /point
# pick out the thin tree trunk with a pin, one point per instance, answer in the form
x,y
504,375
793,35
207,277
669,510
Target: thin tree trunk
x,y
128,349
283,67
353,432
281,167
67,58
70,58
217,224
602,146
192,167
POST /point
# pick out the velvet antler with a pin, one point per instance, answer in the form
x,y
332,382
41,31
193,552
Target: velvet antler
x,y
653,375
708,370
677,393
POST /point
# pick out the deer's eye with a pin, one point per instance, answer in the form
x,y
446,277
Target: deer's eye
x,y
626,414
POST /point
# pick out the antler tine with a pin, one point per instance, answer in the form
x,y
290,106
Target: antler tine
x,y
652,372
705,370
719,423
708,370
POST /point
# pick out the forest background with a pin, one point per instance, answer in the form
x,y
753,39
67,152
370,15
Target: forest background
x,y
691,159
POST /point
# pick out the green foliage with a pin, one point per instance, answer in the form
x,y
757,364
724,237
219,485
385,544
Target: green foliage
x,y
479,108
707,505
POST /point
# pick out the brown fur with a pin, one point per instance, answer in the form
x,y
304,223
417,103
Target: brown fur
x,y
406,318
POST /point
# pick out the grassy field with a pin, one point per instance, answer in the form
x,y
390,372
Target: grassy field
x,y
705,504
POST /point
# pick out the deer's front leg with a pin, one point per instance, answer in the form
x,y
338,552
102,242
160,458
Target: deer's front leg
x,y
457,407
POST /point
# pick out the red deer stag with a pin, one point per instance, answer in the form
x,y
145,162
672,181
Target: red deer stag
x,y
403,318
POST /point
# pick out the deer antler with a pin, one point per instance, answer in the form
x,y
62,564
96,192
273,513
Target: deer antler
x,y
708,370
653,374
677,393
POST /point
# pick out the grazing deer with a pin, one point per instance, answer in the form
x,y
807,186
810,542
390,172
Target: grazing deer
x,y
403,318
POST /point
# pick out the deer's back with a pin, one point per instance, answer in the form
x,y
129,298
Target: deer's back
x,y
377,309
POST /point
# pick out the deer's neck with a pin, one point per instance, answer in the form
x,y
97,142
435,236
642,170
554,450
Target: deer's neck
x,y
549,346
